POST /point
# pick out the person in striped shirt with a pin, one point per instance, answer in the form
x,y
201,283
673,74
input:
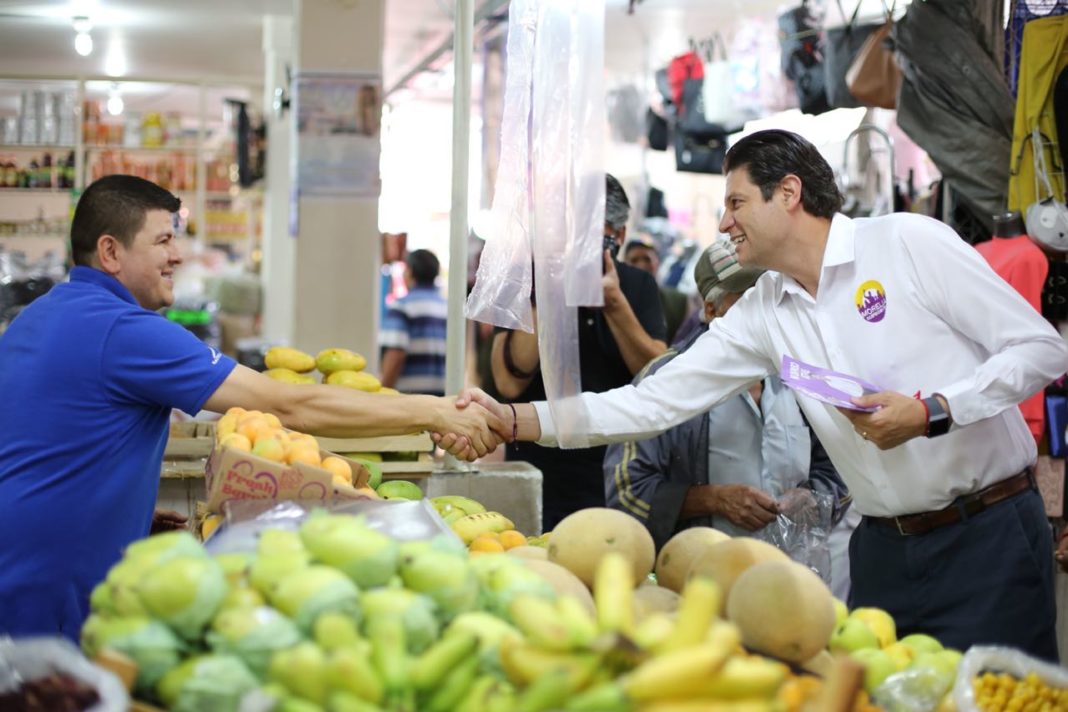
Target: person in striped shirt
x,y
413,332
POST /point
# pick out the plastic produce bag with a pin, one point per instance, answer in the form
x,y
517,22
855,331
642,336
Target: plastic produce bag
x,y
33,658
913,690
981,658
801,529
245,519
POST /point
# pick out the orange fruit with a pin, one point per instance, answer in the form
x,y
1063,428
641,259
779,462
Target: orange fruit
x,y
269,449
237,441
254,429
236,411
511,538
249,415
485,544
338,468
225,425
309,456
272,419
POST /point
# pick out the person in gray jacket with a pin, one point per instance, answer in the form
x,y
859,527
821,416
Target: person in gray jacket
x,y
737,466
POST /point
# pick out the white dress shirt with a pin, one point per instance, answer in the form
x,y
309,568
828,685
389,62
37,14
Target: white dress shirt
x,y
902,303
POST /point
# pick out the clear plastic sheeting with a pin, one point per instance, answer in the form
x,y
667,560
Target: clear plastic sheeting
x,y
34,658
550,193
801,529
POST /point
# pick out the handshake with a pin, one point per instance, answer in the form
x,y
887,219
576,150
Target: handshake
x,y
472,424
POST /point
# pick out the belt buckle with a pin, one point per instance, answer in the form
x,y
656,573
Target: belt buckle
x,y
900,530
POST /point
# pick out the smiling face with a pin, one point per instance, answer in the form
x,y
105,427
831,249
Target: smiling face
x,y
147,266
758,228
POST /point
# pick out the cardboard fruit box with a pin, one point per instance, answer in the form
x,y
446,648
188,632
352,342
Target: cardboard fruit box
x,y
236,474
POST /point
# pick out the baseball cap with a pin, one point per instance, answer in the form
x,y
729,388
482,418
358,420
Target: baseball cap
x,y
718,272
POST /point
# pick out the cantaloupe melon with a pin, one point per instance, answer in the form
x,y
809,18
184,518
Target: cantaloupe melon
x,y
783,609
649,598
580,540
529,552
563,581
726,561
675,559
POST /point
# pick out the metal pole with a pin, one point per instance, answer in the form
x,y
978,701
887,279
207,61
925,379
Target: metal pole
x,y
463,40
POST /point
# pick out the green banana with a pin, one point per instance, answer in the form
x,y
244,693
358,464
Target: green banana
x,y
435,662
607,697
389,654
334,630
347,702
453,687
469,527
613,594
678,674
548,692
465,504
349,670
524,663
540,621
501,698
477,696
697,609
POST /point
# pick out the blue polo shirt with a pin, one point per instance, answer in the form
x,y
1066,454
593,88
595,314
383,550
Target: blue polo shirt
x,y
88,379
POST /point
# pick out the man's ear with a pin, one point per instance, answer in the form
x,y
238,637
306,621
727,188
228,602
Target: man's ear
x,y
790,188
108,250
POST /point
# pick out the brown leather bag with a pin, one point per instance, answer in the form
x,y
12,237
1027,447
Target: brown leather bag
x,y
874,77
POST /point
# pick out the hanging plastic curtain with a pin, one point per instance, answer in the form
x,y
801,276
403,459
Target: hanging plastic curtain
x,y
550,193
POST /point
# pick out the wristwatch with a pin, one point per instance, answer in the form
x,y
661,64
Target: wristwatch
x,y
938,420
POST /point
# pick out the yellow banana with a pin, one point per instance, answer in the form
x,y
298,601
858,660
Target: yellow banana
x,y
706,705
680,673
349,670
436,661
745,677
697,609
725,633
465,504
613,594
578,620
469,527
540,622
653,630
606,697
389,653
524,663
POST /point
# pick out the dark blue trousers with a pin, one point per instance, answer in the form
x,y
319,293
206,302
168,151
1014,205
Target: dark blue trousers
x,y
987,580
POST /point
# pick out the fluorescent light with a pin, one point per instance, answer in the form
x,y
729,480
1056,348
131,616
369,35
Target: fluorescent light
x,y
115,104
115,62
83,44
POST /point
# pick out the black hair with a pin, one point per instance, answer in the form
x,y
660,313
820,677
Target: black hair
x,y
769,156
616,205
115,205
424,267
635,244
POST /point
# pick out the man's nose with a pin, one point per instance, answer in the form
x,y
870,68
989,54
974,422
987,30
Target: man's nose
x,y
726,221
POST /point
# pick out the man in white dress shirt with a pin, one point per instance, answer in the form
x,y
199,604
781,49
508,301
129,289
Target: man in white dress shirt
x,y
954,540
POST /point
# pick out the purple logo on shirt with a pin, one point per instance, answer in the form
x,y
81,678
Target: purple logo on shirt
x,y
871,301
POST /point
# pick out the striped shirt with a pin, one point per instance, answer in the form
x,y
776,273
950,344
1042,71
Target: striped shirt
x,y
416,324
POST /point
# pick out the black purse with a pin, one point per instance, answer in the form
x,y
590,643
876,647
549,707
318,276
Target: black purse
x,y
657,131
840,48
700,146
801,42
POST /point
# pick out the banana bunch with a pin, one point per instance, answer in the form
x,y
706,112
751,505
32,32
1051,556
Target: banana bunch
x,y
471,526
453,507
541,540
573,661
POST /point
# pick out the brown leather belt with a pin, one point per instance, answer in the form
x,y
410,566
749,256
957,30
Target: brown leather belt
x,y
962,507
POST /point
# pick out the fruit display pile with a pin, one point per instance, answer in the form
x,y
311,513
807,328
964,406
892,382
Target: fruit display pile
x,y
338,367
994,691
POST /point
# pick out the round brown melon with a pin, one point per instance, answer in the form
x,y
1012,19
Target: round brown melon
x,y
783,609
580,540
649,598
563,581
675,559
726,561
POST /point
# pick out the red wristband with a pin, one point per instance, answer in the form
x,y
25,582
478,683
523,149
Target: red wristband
x,y
515,423
926,418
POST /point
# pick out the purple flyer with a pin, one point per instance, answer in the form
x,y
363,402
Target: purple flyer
x,y
826,386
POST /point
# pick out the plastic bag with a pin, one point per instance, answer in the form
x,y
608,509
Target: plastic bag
x,y
245,519
33,658
981,658
801,529
913,690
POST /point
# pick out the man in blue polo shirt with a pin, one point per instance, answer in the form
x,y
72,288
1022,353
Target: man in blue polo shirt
x,y
90,373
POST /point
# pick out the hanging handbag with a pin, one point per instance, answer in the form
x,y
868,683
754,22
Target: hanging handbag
x,y
657,131
717,88
700,146
840,47
801,42
874,78
1047,218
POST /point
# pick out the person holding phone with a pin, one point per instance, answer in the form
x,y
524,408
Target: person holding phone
x,y
615,342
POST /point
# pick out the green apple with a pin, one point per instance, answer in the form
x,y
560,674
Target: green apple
x,y
852,635
901,654
881,623
920,643
877,666
841,612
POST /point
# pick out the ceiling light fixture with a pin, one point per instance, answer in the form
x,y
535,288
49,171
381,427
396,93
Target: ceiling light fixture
x,y
83,41
115,103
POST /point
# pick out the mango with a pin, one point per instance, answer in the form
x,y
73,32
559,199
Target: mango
x,y
331,360
285,375
354,379
292,359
